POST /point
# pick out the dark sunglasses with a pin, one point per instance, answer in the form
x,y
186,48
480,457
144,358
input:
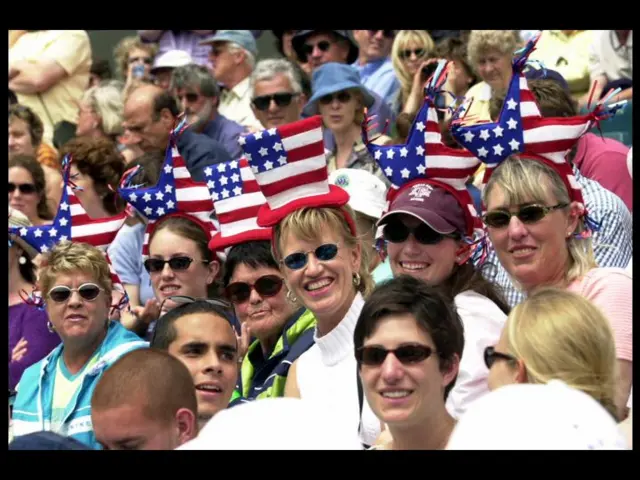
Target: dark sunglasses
x,y
386,33
406,354
266,286
176,264
418,52
490,356
527,214
323,45
398,232
190,97
283,99
25,188
88,291
343,97
324,253
147,60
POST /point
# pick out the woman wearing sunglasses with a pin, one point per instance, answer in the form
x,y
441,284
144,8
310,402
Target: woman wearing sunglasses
x,y
55,393
535,211
557,335
27,189
316,243
341,99
408,343
429,230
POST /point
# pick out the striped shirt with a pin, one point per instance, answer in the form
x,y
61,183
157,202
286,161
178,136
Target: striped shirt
x,y
612,245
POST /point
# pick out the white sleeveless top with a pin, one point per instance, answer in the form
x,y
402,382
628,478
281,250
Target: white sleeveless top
x,y
326,374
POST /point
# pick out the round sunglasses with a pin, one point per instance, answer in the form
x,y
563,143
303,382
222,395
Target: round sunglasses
x,y
62,293
266,286
526,214
418,52
323,45
398,232
490,356
324,253
177,264
343,97
282,99
375,356
24,188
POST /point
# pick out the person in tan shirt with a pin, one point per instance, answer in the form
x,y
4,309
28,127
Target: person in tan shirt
x,y
49,70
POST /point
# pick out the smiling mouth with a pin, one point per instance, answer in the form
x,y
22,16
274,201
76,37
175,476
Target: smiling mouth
x,y
317,285
397,393
209,388
414,266
169,289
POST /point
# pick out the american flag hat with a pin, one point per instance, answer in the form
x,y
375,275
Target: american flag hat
x,y
521,130
237,198
290,167
175,195
424,159
72,223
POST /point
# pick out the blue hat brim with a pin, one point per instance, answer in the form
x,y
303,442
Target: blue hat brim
x,y
311,108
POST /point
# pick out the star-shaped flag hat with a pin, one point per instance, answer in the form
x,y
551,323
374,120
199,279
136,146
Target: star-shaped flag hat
x,y
72,223
290,167
175,195
424,159
237,198
521,130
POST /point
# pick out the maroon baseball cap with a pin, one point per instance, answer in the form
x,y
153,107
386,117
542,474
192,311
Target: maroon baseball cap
x,y
432,204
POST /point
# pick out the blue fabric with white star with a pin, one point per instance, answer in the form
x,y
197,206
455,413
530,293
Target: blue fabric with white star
x,y
224,180
266,152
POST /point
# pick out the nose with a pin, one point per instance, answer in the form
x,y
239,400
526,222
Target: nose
x,y
211,363
391,370
379,35
254,297
411,246
516,229
316,52
166,271
75,300
314,266
273,106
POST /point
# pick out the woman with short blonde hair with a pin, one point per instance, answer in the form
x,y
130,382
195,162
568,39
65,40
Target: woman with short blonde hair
x,y
101,109
557,335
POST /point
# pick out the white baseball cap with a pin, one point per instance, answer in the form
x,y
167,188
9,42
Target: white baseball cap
x,y
366,191
549,416
172,59
276,424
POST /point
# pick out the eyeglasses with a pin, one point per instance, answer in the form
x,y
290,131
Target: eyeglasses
x,y
343,97
527,214
324,253
323,45
25,188
176,264
418,52
266,286
189,97
406,354
88,291
398,232
282,99
490,356
147,60
386,33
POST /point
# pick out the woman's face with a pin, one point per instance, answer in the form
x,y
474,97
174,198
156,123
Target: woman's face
x,y
193,281
87,195
20,138
404,393
495,68
535,253
143,60
77,319
338,110
324,287
24,196
88,120
412,54
430,263
265,315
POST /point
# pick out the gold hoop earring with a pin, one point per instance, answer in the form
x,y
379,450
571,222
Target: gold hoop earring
x,y
356,279
291,297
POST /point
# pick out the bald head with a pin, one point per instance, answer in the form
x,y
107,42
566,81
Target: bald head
x,y
149,115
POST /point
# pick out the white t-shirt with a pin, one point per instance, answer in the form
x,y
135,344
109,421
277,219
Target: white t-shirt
x,y
483,322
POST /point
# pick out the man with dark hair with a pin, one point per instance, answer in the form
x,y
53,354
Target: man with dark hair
x,y
199,333
145,401
599,167
151,113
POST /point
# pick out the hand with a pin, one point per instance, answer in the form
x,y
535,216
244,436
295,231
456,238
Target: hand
x,y
20,350
149,312
243,341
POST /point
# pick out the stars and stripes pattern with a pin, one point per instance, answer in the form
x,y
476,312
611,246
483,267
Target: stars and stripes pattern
x,y
175,194
237,198
425,157
290,167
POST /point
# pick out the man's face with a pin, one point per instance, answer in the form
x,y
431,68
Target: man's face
x,y
139,122
275,103
127,428
194,104
323,48
224,62
206,343
376,44
163,77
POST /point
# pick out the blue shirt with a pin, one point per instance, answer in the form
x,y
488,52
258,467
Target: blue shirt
x,y
380,77
226,132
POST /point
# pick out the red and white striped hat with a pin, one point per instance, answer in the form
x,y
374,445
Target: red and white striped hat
x,y
290,167
237,199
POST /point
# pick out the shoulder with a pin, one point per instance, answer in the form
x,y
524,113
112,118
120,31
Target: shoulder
x,y
609,280
473,302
